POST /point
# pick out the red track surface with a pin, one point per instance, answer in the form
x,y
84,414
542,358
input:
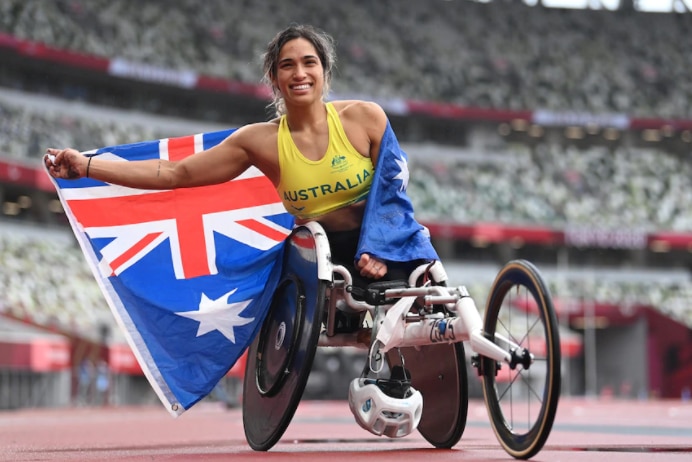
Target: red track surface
x,y
584,430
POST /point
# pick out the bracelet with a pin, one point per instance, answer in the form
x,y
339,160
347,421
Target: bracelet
x,y
88,165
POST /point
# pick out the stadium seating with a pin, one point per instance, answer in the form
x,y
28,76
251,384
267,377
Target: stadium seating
x,y
507,56
638,188
631,187
503,54
626,187
26,132
45,280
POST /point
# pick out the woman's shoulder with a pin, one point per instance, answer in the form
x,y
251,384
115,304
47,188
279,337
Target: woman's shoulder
x,y
357,105
256,130
258,140
255,137
364,112
260,127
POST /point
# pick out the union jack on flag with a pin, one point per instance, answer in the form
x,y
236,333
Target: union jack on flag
x,y
187,273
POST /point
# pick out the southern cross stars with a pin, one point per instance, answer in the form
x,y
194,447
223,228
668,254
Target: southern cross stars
x,y
218,315
403,173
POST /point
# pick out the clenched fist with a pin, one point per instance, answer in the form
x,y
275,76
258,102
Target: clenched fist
x,y
67,164
371,267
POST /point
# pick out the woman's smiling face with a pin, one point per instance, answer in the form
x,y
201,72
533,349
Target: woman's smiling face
x,y
299,72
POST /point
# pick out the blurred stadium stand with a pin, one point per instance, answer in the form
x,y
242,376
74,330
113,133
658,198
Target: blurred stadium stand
x,y
560,136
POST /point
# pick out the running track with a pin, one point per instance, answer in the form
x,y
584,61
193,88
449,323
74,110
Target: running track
x,y
584,430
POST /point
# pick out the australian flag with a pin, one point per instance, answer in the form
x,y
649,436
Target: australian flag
x,y
189,273
390,230
184,271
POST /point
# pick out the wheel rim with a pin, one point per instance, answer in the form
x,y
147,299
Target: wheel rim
x,y
522,402
279,337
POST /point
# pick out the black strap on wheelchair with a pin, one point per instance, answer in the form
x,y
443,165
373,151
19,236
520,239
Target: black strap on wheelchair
x,y
398,385
374,292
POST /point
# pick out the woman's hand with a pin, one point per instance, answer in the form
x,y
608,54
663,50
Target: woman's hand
x,y
371,267
68,164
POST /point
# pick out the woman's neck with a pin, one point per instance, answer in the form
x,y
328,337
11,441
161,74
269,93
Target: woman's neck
x,y
303,117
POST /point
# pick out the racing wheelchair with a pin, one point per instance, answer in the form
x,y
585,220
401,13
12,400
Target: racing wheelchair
x,y
414,331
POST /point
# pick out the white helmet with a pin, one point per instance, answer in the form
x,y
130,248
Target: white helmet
x,y
382,414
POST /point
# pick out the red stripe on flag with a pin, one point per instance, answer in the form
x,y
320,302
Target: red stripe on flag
x,y
125,257
187,207
193,255
179,203
263,229
180,148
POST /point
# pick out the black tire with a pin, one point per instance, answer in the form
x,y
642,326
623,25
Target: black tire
x,y
280,358
522,408
439,373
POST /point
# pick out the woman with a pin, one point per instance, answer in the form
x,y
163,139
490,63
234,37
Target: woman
x,y
310,149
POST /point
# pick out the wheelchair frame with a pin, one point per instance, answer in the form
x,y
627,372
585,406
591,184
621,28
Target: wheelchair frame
x,y
442,316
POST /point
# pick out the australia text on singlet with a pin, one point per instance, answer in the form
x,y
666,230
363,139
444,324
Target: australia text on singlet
x,y
312,188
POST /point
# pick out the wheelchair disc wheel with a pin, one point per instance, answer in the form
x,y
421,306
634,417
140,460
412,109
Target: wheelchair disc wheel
x,y
280,358
522,402
439,373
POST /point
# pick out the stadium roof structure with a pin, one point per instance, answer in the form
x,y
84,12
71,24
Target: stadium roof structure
x,y
648,6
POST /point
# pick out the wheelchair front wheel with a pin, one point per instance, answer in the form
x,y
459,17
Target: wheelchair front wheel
x,y
522,401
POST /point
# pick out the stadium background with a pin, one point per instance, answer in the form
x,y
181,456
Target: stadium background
x,y
557,135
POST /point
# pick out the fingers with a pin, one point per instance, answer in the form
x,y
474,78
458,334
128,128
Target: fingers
x,y
371,267
63,163
48,160
53,162
53,155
